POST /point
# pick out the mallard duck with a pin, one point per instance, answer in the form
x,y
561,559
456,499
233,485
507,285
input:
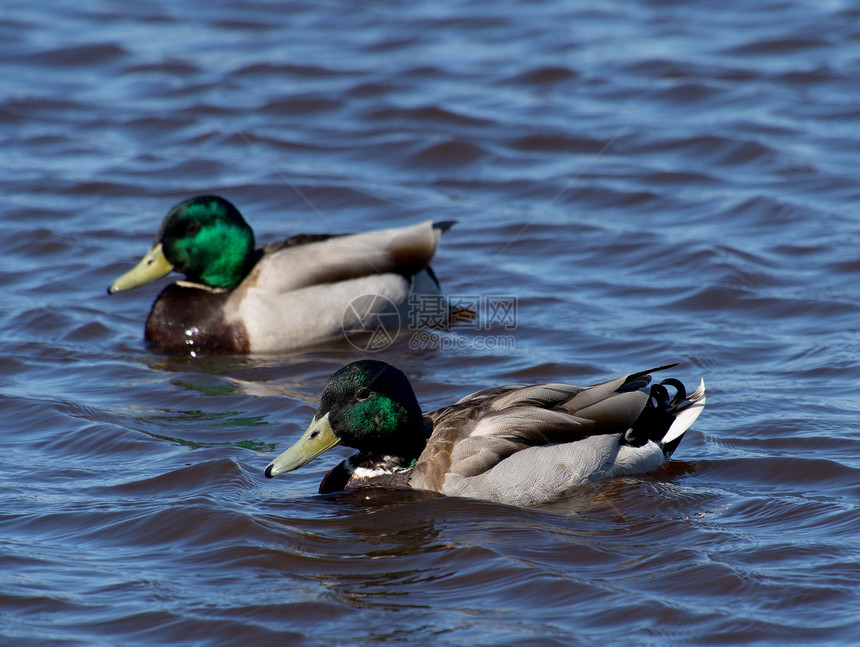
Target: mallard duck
x,y
520,445
283,296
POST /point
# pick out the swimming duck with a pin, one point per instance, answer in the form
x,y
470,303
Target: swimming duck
x,y
283,296
517,444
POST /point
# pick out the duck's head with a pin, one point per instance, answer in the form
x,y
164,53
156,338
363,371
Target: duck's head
x,y
205,238
367,405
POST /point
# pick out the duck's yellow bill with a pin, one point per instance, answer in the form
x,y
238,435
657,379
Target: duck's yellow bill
x,y
318,438
151,267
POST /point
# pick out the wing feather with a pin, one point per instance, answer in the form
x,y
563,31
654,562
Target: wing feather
x,y
488,427
402,250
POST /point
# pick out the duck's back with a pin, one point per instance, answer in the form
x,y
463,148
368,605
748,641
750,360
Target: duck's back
x,y
527,444
303,294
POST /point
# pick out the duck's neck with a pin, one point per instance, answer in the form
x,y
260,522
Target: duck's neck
x,y
364,470
398,442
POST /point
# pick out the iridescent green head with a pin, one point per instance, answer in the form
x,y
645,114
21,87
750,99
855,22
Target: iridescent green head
x,y
367,405
205,238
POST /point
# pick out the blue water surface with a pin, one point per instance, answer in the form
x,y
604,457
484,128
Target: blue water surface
x,y
646,182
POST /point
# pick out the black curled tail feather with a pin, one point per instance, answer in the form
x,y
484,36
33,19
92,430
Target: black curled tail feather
x,y
659,414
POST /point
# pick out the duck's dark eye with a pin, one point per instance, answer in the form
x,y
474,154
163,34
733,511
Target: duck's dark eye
x,y
193,229
362,394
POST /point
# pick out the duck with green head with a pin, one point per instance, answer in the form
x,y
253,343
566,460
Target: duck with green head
x,y
280,297
516,444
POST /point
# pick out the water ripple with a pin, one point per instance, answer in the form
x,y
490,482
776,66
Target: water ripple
x,y
653,182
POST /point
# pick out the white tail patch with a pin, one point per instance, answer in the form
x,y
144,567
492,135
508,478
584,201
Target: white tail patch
x,y
688,416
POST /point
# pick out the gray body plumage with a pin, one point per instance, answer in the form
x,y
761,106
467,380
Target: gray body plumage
x,y
524,445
